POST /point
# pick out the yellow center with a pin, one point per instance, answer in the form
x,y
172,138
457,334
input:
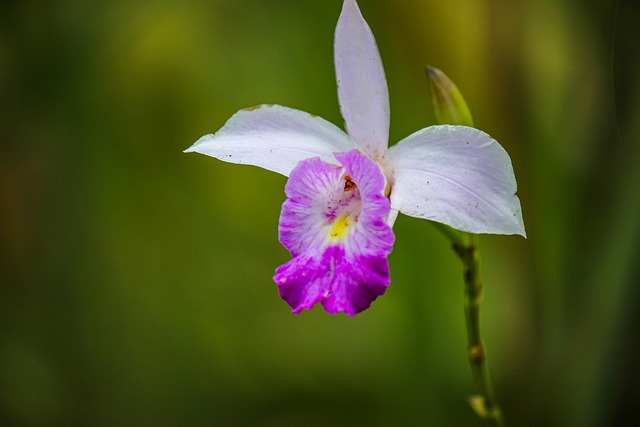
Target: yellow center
x,y
340,227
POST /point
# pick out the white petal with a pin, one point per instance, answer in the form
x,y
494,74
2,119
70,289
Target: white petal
x,y
362,87
391,218
274,138
458,176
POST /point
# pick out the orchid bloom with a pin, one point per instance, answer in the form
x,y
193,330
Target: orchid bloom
x,y
346,189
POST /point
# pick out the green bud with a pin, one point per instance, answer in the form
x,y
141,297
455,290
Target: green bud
x,y
448,103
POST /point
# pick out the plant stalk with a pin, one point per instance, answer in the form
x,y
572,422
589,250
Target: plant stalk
x,y
485,403
451,108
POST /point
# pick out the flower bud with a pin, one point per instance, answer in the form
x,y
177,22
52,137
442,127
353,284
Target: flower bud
x,y
448,103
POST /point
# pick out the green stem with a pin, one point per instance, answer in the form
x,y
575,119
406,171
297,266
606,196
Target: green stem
x,y
485,403
451,108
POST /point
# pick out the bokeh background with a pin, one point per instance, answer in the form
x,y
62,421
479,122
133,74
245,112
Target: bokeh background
x,y
135,281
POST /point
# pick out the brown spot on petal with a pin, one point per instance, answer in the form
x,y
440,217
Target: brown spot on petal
x,y
255,107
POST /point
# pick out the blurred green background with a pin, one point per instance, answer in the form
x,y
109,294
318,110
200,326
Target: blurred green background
x,y
135,281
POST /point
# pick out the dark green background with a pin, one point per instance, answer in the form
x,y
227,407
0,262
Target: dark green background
x,y
135,281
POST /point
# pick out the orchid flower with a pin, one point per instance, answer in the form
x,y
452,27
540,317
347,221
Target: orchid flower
x,y
345,189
